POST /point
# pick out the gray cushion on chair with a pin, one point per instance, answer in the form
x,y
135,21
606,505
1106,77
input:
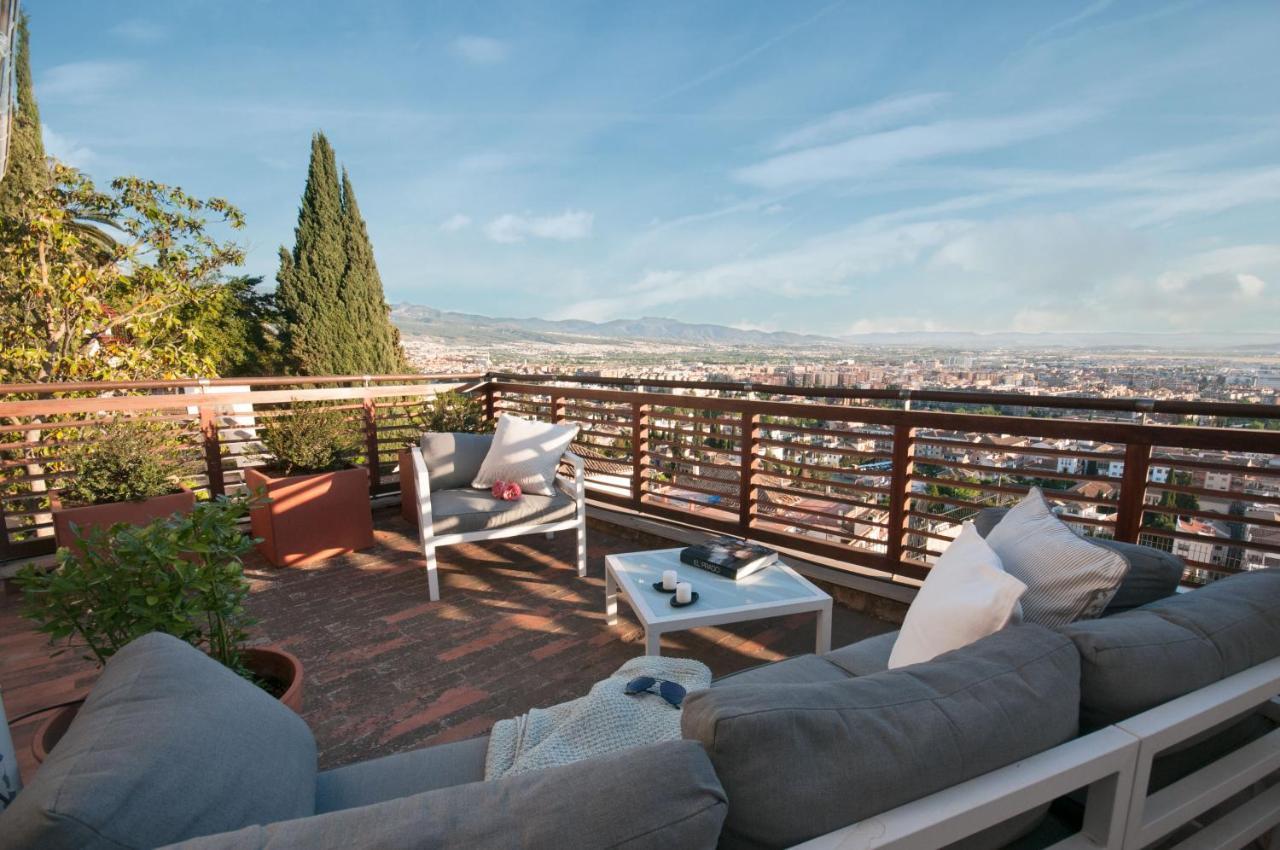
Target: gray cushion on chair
x,y
169,745
803,760
463,511
1152,574
1134,661
401,775
664,795
454,459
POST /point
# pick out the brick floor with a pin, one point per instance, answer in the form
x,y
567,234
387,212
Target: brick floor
x,y
387,671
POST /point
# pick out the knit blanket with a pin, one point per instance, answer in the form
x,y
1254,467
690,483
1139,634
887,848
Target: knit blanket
x,y
603,721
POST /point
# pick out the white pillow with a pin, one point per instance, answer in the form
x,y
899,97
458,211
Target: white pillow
x,y
1068,578
525,452
966,596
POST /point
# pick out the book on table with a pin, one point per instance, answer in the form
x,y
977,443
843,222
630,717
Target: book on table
x,y
730,557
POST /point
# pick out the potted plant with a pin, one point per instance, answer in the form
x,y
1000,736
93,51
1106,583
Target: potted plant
x,y
318,500
132,474
182,575
450,412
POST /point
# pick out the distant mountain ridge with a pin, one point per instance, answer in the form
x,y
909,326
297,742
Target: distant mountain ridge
x,y
467,328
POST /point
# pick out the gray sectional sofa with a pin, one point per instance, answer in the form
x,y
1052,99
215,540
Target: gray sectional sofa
x,y
170,747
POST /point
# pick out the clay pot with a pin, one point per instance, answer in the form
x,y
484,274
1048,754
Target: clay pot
x,y
311,517
106,515
265,662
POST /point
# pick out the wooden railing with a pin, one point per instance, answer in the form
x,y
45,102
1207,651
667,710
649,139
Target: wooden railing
x,y
885,488
214,421
876,480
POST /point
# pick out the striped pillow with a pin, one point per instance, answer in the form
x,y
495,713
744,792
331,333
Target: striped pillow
x,y
1067,577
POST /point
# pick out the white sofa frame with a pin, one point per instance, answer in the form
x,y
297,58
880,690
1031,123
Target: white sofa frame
x,y
573,486
1114,763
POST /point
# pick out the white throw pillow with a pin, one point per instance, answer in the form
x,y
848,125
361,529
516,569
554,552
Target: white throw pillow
x,y
965,597
1068,578
526,452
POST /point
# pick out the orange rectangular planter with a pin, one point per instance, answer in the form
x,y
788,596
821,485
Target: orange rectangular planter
x,y
311,517
408,488
140,512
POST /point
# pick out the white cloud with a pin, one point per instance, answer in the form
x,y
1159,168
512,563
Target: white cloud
x,y
139,30
825,265
480,50
66,150
455,222
861,119
1251,286
567,226
875,152
84,80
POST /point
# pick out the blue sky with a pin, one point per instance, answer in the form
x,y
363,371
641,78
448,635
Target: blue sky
x,y
812,166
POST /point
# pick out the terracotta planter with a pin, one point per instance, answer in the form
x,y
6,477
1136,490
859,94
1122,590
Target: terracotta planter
x,y
408,488
140,512
265,662
311,517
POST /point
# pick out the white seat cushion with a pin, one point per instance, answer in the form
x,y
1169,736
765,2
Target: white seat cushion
x,y
966,596
527,453
1067,577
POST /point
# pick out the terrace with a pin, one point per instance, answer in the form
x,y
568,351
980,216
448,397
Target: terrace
x,y
861,490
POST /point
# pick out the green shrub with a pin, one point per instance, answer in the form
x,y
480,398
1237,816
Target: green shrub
x,y
312,439
131,461
182,575
451,412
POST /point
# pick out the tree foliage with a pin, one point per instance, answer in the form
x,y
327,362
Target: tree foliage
x,y
238,327
335,319
27,170
83,302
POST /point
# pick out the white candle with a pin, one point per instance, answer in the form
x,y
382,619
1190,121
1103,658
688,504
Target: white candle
x,y
669,579
684,592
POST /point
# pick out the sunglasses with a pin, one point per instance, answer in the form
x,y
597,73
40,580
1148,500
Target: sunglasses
x,y
672,692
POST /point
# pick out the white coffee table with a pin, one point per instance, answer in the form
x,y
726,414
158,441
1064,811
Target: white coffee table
x,y
775,591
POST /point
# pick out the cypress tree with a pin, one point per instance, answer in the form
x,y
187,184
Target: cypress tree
x,y
362,288
27,169
334,316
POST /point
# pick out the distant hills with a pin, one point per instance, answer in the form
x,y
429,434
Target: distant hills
x,y
470,329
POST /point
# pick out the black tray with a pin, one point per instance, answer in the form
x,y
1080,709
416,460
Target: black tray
x,y
692,599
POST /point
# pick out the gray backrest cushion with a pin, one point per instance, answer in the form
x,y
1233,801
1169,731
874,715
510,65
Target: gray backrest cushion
x,y
454,459
1152,574
801,760
1136,660
664,795
169,745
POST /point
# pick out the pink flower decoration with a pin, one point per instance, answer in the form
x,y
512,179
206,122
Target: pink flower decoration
x,y
498,490
511,492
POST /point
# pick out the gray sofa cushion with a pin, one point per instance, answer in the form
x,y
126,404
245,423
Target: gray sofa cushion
x,y
169,745
454,459
799,670
1152,574
401,775
803,760
866,656
463,511
665,795
1134,661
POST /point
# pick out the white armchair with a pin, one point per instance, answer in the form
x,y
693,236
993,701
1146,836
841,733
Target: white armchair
x,y
457,513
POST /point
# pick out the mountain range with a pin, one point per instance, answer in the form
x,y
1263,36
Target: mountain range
x,y
471,329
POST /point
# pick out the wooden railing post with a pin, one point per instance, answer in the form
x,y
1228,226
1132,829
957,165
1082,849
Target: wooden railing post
x,y
490,403
1133,491
212,451
371,443
904,455
748,493
557,408
639,450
